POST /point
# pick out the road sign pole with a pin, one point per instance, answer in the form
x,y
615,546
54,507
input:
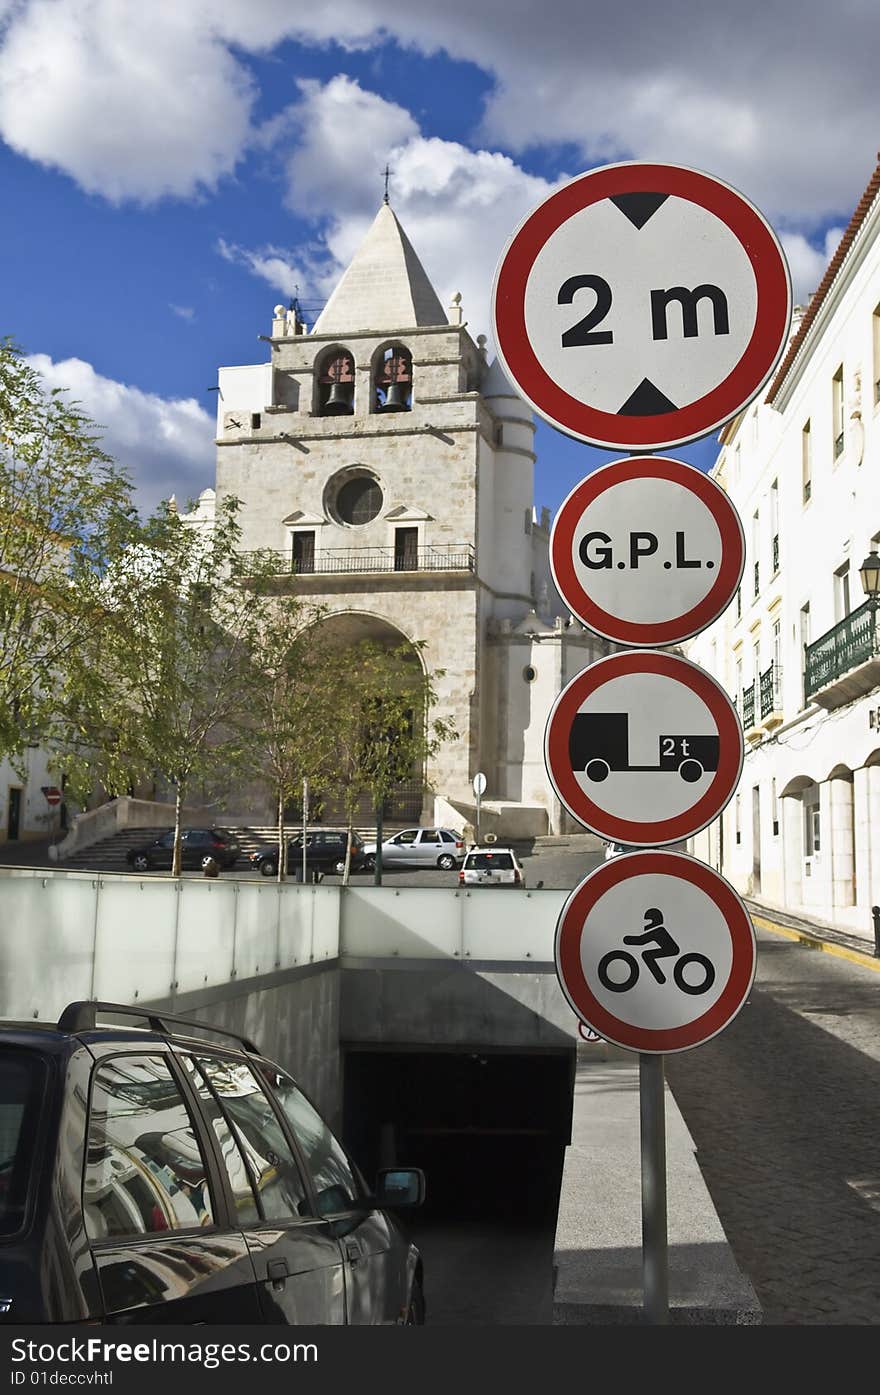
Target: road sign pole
x,y
655,1259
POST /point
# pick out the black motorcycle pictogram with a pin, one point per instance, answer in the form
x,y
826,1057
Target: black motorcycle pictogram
x,y
665,947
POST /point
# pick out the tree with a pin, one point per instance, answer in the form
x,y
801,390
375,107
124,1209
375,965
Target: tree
x,y
291,707
385,731
170,663
65,513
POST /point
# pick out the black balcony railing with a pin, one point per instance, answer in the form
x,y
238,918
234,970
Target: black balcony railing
x,y
771,690
757,578
749,706
850,643
775,553
338,561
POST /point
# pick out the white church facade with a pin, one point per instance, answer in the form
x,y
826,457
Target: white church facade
x,y
390,468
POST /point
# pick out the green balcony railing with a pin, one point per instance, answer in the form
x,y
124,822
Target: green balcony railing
x,y
771,690
749,706
848,644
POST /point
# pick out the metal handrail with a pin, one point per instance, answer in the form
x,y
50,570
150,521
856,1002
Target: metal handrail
x,y
852,641
749,706
355,560
771,689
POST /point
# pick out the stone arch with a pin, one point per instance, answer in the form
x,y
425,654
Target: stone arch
x,y
334,379
391,378
345,630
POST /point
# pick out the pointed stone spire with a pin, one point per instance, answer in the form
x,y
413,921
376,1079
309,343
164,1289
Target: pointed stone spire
x,y
384,287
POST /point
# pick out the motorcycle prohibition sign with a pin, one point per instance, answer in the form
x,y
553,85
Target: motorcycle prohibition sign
x,y
665,947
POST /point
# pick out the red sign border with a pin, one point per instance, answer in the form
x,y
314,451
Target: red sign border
x,y
713,604
618,830
756,364
566,953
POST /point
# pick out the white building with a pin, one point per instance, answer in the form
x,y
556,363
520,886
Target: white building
x,y
798,649
391,468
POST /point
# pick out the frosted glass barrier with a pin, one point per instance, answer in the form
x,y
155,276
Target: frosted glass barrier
x,y
256,927
205,934
137,924
502,923
409,922
309,924
47,930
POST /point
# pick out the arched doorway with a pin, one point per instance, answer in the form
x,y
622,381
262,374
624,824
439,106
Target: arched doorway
x,y
362,639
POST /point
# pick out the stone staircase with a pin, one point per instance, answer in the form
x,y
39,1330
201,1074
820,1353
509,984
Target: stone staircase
x,y
109,854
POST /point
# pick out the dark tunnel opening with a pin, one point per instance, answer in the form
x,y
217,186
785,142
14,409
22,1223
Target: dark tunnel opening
x,y
489,1128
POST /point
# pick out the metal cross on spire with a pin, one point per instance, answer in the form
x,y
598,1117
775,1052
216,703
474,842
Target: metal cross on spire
x,y
387,174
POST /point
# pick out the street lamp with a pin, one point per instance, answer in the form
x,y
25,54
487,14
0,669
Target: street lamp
x,y
869,573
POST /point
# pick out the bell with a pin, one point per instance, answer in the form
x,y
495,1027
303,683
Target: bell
x,y
395,399
341,400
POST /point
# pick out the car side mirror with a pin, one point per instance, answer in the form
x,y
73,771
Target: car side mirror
x,y
398,1187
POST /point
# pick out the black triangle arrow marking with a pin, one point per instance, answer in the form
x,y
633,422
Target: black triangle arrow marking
x,y
646,401
638,208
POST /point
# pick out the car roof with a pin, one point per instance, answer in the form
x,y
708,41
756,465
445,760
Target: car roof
x,y
80,1020
492,848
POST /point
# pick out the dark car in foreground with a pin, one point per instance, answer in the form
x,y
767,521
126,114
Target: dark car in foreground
x,y
197,847
325,852
149,1175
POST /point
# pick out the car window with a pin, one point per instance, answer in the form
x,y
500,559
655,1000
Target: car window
x,y
408,837
240,1180
144,1170
447,837
22,1083
336,1184
167,840
488,862
430,835
276,1175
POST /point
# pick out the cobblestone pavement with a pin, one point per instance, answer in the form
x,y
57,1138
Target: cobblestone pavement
x,y
784,1109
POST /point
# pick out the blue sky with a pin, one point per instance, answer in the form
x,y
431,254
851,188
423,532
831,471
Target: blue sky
x,y
169,172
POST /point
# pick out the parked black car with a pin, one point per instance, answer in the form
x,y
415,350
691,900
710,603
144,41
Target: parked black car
x,y
197,845
325,852
151,1176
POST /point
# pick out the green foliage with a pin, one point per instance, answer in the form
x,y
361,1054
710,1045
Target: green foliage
x,y
384,728
169,663
290,708
65,513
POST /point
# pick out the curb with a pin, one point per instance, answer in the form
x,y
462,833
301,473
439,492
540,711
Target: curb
x,y
815,941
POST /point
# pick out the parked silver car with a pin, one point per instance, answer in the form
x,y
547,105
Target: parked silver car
x,y
418,847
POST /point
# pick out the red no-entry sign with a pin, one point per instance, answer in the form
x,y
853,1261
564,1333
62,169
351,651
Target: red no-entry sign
x,y
641,305
655,952
643,748
647,551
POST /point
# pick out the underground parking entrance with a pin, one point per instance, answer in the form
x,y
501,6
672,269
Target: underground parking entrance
x,y
489,1127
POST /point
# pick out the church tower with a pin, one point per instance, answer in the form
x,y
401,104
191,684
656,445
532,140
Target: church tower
x,y
390,468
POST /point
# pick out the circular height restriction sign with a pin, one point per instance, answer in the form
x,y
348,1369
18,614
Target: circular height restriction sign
x,y
643,748
641,306
655,952
647,551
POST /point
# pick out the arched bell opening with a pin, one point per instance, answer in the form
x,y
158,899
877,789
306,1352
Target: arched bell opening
x,y
334,395
393,380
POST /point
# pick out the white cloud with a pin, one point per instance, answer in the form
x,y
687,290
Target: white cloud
x,y
271,264
183,312
132,101
138,102
807,263
167,446
458,206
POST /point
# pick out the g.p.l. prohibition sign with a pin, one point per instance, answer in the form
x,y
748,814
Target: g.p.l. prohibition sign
x,y
643,748
655,952
641,305
647,551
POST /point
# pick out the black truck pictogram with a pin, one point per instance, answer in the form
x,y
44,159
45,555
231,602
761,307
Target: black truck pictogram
x,y
599,743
